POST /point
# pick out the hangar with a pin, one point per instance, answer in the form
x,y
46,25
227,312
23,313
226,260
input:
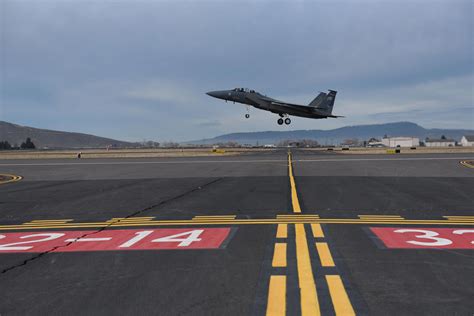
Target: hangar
x,y
442,142
467,140
401,141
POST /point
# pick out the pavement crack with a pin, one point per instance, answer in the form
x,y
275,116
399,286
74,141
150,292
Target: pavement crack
x,y
41,254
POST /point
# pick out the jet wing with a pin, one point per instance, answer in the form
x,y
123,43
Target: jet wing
x,y
283,105
293,106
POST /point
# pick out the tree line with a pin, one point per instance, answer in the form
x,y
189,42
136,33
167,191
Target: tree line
x,y
27,144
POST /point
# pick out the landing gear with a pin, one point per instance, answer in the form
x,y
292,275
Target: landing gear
x,y
247,115
286,120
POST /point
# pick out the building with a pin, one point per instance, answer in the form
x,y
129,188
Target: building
x,y
442,142
401,141
467,140
374,142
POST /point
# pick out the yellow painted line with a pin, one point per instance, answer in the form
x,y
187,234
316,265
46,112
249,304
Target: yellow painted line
x,y
317,231
294,195
282,231
467,163
297,216
380,216
241,222
215,216
309,298
457,218
340,299
325,254
279,255
45,221
276,304
14,178
130,219
43,224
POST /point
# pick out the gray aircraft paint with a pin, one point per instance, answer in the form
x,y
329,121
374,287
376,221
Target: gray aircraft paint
x,y
320,108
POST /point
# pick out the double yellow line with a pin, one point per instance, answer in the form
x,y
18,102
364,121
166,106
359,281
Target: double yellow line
x,y
276,304
12,178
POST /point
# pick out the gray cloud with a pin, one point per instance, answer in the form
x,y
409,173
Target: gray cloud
x,y
139,69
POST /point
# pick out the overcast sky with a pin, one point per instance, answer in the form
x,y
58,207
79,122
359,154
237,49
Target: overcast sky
x,y
137,70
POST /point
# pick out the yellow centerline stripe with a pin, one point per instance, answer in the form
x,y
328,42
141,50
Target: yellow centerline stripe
x,y
276,304
282,231
324,254
294,195
279,255
340,300
309,298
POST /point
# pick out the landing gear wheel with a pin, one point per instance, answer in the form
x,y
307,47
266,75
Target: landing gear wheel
x,y
287,121
247,115
280,121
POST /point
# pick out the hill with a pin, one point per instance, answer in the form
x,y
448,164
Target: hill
x,y
336,136
42,138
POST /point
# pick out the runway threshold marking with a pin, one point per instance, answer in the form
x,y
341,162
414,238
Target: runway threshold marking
x,y
425,238
108,240
9,178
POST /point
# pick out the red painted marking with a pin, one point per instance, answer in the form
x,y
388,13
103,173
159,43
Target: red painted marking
x,y
425,238
126,239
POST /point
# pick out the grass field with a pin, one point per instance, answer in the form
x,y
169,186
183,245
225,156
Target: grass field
x,y
120,153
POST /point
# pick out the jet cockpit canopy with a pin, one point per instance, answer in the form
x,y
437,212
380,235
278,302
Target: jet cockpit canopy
x,y
243,90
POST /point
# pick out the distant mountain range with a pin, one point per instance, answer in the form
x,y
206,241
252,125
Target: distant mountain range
x,y
338,135
43,138
16,134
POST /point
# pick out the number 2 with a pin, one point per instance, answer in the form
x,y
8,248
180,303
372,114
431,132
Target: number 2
x,y
14,245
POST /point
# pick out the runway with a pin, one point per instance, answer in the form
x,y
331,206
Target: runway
x,y
267,233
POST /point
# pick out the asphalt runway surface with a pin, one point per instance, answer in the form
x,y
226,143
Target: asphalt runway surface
x,y
260,233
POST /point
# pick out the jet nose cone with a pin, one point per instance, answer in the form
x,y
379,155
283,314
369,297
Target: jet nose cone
x,y
213,94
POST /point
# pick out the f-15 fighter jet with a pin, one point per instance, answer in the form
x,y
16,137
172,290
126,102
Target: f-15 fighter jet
x,y
319,108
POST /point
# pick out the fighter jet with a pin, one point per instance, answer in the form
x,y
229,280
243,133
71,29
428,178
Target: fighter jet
x,y
319,108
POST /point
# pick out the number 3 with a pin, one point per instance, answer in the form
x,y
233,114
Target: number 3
x,y
427,234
